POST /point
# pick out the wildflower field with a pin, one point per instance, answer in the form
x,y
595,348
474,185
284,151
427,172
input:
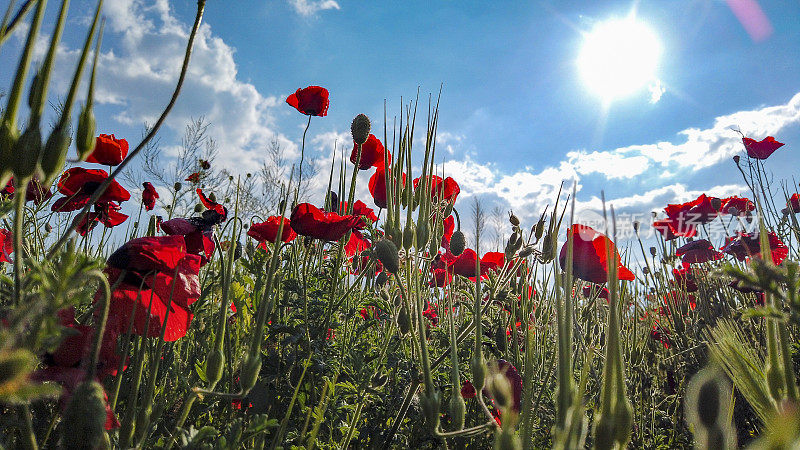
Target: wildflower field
x,y
333,321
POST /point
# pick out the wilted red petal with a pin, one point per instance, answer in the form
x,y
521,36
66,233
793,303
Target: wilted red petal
x,y
149,196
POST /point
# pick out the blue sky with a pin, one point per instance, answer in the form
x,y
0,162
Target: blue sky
x,y
515,117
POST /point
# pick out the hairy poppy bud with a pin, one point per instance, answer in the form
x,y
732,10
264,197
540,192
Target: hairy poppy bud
x,y
457,410
500,339
549,248
85,417
251,367
84,138
198,208
457,243
430,409
408,236
386,252
48,228
360,129
513,219
653,252
736,159
423,233
215,362
645,270
381,280
177,186
636,225
15,367
55,153
27,151
538,230
479,369
403,320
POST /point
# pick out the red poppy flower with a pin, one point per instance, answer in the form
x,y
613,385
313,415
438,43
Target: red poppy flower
x,y
6,245
36,192
740,205
468,390
149,196
311,101
465,263
268,231
377,186
194,178
150,253
761,149
126,300
197,232
213,206
589,255
356,244
308,220
106,213
702,210
431,314
793,204
444,190
108,150
78,185
745,245
661,334
449,225
599,292
371,153
698,251
684,278
359,209
672,229
440,278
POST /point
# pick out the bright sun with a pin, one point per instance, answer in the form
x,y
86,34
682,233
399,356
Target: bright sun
x,y
619,57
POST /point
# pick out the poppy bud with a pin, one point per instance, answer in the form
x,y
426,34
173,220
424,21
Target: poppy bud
x,y
539,229
736,159
479,369
653,252
85,417
8,137
457,243
35,92
457,410
215,362
403,320
84,138
549,248
498,386
48,228
55,153
636,225
716,203
513,219
360,129
448,209
198,208
15,367
507,438
27,151
248,174
500,339
381,280
251,367
707,401
177,186
423,233
645,270
386,252
430,409
408,236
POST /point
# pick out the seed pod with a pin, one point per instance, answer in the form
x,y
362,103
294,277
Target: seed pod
x,y
55,153
85,138
386,252
513,219
251,367
215,362
403,321
27,151
538,230
653,252
360,129
457,243
198,208
527,251
548,248
85,417
177,186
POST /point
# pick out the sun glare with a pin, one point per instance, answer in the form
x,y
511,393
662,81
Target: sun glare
x,y
619,57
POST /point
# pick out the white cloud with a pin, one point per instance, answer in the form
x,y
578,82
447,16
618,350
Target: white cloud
x,y
656,91
310,7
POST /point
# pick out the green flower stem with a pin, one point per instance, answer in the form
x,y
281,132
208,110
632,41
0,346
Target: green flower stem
x,y
19,217
302,157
